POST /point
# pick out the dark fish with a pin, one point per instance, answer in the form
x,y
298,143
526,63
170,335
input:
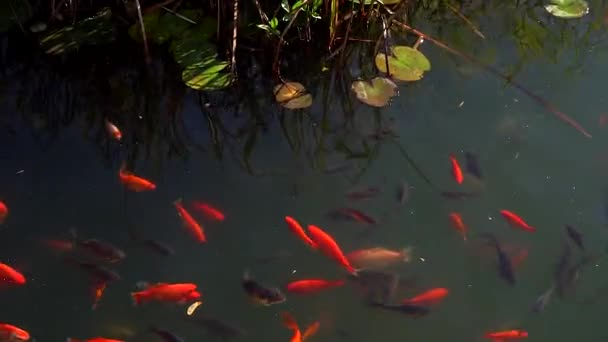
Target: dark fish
x,y
352,214
403,193
575,236
542,300
158,247
377,285
219,328
505,267
459,194
472,165
98,248
98,273
260,294
166,335
415,311
366,193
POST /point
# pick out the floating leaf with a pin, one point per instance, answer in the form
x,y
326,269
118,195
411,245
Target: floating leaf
x,y
94,30
568,9
292,95
207,75
377,93
405,64
161,27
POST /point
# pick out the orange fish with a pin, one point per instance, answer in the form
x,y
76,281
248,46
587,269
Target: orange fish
x,y
12,333
378,257
133,182
297,229
329,247
456,170
3,212
190,223
60,246
459,225
500,336
163,292
297,336
94,339
432,296
516,221
209,211
312,285
113,131
10,275
98,290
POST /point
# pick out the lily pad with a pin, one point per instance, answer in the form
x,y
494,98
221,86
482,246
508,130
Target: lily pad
x,y
377,93
568,9
207,75
94,30
292,95
405,64
160,27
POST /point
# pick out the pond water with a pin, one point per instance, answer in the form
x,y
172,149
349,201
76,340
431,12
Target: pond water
x,y
59,171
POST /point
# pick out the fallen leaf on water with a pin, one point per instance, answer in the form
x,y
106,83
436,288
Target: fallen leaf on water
x,y
405,63
376,93
292,95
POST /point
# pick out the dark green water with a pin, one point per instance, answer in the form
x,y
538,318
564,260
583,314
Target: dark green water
x,y
58,170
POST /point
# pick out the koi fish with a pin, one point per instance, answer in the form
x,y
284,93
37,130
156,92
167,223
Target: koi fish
x,y
297,229
329,247
11,333
312,285
575,236
133,182
3,212
378,257
189,222
353,214
366,193
113,131
98,248
209,211
261,294
505,267
297,336
9,275
516,221
97,273
432,296
456,170
415,311
506,335
459,225
165,335
472,165
164,292
94,339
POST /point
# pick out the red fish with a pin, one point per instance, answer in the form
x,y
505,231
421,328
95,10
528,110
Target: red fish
x,y
297,229
432,296
12,333
133,182
163,292
459,225
456,170
209,211
297,336
312,285
113,131
190,223
3,212
354,214
516,221
329,247
94,339
10,276
499,336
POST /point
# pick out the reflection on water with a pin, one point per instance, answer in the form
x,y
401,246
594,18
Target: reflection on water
x,y
257,162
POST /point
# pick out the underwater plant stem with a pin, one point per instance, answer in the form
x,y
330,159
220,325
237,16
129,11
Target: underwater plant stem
x,y
261,12
184,18
467,21
275,64
143,32
234,37
548,106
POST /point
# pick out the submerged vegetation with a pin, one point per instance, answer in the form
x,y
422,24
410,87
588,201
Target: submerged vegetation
x,y
136,63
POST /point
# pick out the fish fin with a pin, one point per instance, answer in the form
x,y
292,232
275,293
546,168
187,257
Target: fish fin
x,y
406,254
311,330
178,201
288,321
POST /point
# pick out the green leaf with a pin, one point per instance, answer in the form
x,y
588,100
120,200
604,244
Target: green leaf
x,y
94,30
274,22
377,93
150,21
285,5
405,64
570,10
207,76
